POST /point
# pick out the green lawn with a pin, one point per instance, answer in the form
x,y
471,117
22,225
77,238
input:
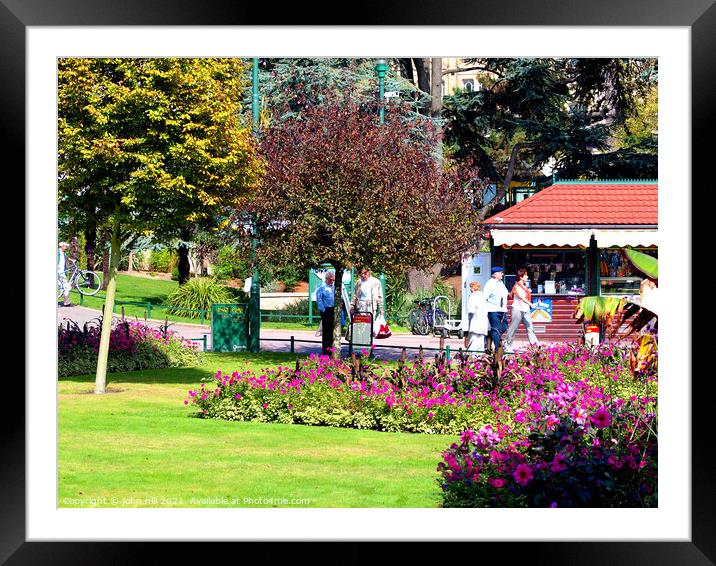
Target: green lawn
x,y
134,289
137,442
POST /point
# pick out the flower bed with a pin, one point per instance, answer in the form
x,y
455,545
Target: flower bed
x,y
564,425
576,431
428,397
132,346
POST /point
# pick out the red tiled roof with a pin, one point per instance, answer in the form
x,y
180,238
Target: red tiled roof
x,y
586,203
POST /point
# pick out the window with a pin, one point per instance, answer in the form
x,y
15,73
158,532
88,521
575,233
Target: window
x,y
468,85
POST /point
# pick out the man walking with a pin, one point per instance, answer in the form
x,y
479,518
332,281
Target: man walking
x,y
496,298
521,306
325,301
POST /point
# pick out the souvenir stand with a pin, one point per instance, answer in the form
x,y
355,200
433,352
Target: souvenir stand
x,y
570,237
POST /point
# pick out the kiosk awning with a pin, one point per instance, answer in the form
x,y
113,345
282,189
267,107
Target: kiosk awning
x,y
542,237
622,238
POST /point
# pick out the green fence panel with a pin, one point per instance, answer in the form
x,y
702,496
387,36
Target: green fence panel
x,y
229,327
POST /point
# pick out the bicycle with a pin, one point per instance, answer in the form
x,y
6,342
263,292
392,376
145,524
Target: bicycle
x,y
85,281
422,318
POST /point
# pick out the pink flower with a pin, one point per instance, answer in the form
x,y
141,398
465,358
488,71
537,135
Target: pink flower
x,y
558,464
522,474
601,418
237,396
496,482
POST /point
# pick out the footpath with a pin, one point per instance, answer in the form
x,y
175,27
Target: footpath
x,y
278,340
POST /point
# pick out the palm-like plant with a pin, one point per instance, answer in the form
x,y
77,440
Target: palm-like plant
x,y
605,310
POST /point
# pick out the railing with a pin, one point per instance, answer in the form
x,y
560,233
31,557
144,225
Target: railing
x,y
446,349
204,314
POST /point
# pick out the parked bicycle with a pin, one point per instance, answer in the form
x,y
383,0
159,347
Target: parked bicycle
x,y
85,281
425,316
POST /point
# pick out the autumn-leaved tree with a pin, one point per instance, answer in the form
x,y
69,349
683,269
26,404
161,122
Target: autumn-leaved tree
x,y
150,146
342,188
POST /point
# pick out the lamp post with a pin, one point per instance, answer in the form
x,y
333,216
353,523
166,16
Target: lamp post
x,y
381,67
255,296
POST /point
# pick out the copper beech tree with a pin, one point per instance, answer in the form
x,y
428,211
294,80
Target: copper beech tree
x,y
340,187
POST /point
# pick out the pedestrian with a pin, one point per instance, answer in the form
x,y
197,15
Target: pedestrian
x,y
521,306
368,295
62,273
496,298
325,301
478,325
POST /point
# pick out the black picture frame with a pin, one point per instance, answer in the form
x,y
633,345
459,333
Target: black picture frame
x,y
699,15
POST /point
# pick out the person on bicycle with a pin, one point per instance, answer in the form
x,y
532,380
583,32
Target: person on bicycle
x,y
62,273
368,294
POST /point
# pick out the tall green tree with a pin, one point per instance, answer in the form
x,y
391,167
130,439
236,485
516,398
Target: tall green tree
x,y
150,146
559,112
341,188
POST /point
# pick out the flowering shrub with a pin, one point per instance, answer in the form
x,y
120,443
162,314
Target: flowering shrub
x,y
573,429
428,397
424,398
132,346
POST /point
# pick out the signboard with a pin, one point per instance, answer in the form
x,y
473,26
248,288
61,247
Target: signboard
x,y
543,311
361,329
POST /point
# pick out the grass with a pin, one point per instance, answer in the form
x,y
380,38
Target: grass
x,y
137,442
135,289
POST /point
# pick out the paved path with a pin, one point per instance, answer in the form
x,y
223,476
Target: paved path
x,y
277,340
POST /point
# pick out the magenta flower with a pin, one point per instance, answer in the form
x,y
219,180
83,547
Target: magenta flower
x,y
497,482
601,418
522,474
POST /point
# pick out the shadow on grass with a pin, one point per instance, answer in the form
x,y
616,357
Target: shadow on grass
x,y
212,362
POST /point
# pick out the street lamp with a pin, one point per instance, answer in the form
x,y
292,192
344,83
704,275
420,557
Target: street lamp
x,y
254,344
381,67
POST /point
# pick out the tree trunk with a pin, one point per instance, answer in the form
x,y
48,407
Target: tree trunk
x,y
101,375
183,265
423,280
130,262
489,206
105,260
337,308
406,69
90,245
436,87
423,78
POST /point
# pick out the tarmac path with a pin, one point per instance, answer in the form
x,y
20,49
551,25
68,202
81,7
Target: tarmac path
x,y
278,340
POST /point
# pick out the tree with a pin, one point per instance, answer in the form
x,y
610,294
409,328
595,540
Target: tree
x,y
559,112
341,188
150,146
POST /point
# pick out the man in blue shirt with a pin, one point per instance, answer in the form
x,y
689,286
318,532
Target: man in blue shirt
x,y
325,302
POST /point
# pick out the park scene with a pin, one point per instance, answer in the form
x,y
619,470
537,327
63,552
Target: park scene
x,y
357,283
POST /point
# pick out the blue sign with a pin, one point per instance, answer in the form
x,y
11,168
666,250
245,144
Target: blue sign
x,y
542,312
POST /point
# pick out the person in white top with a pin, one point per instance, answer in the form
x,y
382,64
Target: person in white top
x,y
368,295
478,326
521,306
496,298
62,273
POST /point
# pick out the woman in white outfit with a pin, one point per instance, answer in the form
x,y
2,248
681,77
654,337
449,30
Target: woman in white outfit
x,y
478,326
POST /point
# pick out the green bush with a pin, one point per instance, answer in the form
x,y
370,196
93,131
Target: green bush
x,y
163,261
196,294
230,263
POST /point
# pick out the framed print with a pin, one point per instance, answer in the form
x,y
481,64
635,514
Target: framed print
x,y
34,34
